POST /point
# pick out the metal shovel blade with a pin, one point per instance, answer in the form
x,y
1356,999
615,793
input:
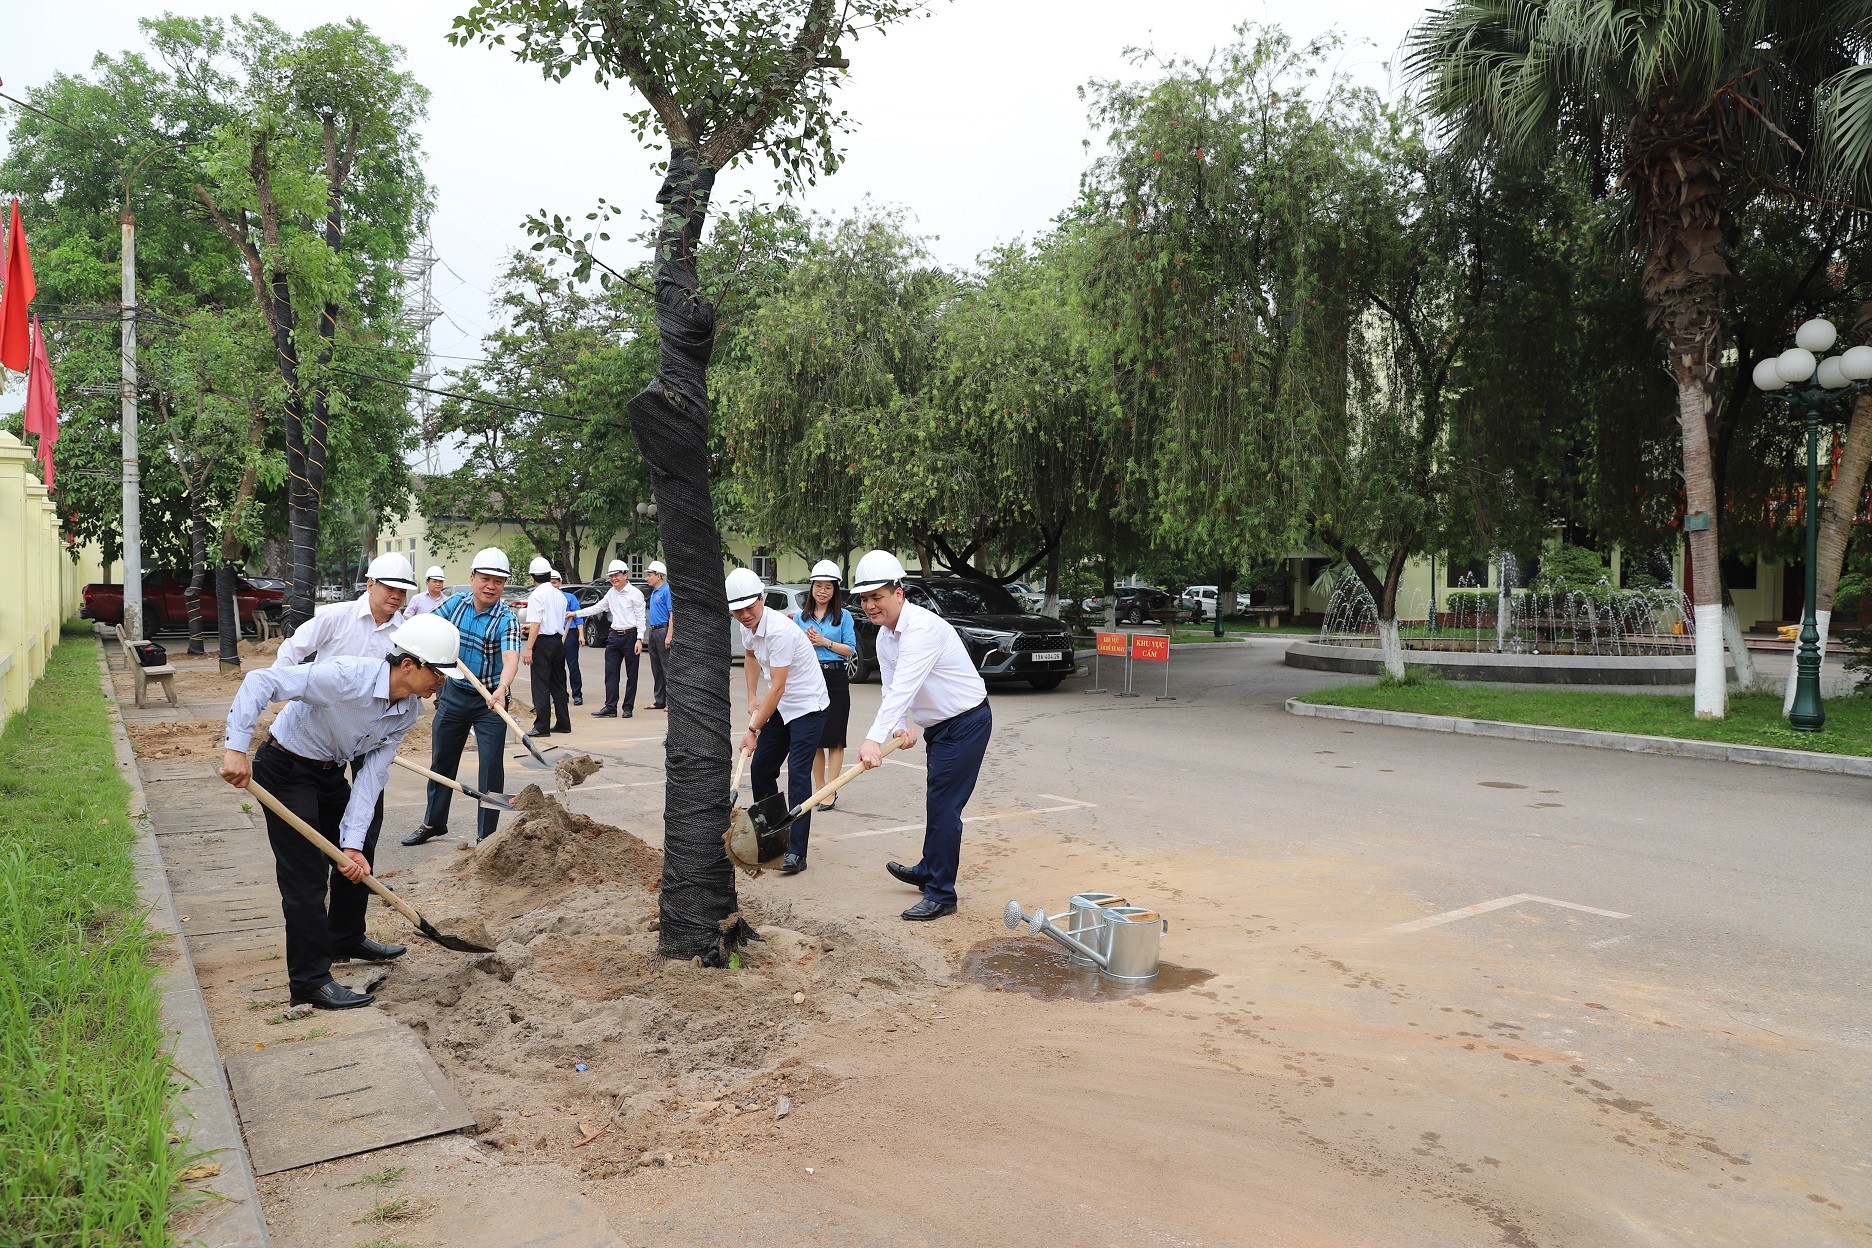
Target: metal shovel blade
x,y
537,761
447,941
500,801
771,815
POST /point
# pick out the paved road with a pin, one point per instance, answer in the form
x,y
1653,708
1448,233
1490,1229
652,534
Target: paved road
x,y
1718,908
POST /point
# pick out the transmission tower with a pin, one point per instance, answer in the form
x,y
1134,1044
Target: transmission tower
x,y
420,311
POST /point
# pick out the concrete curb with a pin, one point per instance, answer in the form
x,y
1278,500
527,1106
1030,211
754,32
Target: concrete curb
x,y
203,1109
1718,751
1548,669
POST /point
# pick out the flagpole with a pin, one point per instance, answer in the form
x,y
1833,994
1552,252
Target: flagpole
x,y
132,463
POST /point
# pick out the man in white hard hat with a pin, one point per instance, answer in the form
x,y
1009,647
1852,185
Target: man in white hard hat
x,y
927,674
785,724
434,582
575,679
544,650
345,711
661,631
490,645
359,627
623,605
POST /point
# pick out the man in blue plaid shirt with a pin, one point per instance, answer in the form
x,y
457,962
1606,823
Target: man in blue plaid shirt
x,y
491,638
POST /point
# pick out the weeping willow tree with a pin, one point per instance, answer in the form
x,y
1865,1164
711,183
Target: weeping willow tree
x,y
719,84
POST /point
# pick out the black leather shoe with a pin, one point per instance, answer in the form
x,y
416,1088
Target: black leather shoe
x,y
562,729
578,699
424,833
625,713
541,732
792,864
333,995
606,713
926,910
908,875
367,950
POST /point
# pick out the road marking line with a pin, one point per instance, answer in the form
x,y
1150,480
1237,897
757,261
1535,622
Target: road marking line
x,y
968,819
1483,907
1054,797
634,784
899,763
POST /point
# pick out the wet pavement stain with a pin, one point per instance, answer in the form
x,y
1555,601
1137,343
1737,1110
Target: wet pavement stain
x,y
1040,969
1498,784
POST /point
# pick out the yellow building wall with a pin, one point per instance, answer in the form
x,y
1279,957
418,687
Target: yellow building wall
x,y
38,581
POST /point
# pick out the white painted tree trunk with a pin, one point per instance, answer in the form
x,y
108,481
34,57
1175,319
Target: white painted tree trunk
x,y
1787,699
1391,648
1738,649
1712,686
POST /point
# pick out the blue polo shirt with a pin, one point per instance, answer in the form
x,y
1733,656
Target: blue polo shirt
x,y
485,635
660,605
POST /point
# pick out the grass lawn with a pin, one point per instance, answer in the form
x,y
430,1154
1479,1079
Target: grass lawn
x,y
85,1155
1753,718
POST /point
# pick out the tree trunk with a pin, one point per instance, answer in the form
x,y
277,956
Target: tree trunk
x,y
1391,648
227,614
1050,607
1673,170
1836,522
1111,595
198,570
698,907
1225,597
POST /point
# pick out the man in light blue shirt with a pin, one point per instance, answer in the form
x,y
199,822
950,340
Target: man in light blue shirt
x,y
661,629
343,711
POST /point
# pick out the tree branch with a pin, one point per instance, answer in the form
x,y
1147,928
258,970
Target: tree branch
x,y
804,53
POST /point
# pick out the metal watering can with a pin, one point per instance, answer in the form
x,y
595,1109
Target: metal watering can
x,y
1101,930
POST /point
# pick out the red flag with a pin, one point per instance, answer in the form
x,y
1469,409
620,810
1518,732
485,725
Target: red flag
x,y
15,342
42,410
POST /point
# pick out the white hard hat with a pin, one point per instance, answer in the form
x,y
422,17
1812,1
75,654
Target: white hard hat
x,y
556,576
825,570
877,569
493,562
656,566
539,566
431,639
743,588
435,573
393,570
617,565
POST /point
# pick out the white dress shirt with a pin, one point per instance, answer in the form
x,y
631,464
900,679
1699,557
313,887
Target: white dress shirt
x,y
546,607
625,607
777,642
339,629
338,711
926,672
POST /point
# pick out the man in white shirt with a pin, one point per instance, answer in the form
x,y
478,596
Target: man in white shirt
x,y
434,582
623,603
926,673
361,630
544,651
361,627
786,723
340,711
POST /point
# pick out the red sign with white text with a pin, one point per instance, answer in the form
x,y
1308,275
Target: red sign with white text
x,y
1112,644
1150,649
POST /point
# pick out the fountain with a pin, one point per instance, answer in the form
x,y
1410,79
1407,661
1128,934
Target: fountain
x,y
1548,632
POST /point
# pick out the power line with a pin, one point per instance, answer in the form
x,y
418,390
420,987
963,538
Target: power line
x,y
464,398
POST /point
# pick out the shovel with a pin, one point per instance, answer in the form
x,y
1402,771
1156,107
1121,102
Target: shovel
x,y
759,833
538,759
500,801
371,882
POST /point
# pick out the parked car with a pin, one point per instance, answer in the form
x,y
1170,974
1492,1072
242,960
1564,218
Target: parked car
x,y
1006,642
1203,601
1029,597
165,602
1136,603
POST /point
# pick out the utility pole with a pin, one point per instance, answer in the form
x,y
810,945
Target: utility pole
x,y
132,464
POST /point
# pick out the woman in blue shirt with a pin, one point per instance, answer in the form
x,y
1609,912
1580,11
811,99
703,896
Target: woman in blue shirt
x,y
834,634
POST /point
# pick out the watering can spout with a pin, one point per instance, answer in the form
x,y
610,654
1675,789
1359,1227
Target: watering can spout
x,y
1037,922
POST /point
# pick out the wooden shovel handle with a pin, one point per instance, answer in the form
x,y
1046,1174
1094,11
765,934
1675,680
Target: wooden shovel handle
x,y
436,776
851,773
740,765
330,850
486,696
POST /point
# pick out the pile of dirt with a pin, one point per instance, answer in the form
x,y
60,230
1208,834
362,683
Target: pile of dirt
x,y
172,741
576,1027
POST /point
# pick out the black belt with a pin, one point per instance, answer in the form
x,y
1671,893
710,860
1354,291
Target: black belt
x,y
958,715
319,764
829,664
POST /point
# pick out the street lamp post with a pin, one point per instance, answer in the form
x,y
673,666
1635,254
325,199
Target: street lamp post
x,y
1809,385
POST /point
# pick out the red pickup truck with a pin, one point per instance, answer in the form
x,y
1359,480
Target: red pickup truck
x,y
165,606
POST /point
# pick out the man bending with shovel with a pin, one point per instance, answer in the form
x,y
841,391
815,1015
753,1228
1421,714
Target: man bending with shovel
x,y
926,673
343,711
784,725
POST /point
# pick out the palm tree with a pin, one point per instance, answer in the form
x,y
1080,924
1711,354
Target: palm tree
x,y
1693,108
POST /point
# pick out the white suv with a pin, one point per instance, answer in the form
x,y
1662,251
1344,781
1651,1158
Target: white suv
x,y
1203,601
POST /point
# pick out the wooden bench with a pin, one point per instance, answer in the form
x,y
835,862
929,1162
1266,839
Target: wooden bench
x,y
140,676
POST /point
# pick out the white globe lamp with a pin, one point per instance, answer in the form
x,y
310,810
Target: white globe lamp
x,y
1856,363
1830,376
1766,376
1817,335
1795,365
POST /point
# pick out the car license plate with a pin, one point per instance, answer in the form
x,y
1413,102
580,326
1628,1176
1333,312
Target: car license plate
x,y
1047,656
